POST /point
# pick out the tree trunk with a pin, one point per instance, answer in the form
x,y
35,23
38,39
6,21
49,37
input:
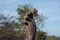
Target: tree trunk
x,y
30,27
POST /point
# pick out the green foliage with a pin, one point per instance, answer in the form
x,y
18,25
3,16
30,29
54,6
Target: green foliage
x,y
8,26
58,38
40,35
22,10
52,38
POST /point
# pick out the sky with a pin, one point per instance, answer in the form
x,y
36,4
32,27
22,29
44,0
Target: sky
x,y
49,8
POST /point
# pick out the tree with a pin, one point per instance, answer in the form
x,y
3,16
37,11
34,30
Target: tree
x,y
27,17
9,28
53,37
25,26
40,35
